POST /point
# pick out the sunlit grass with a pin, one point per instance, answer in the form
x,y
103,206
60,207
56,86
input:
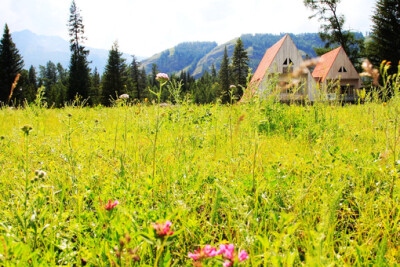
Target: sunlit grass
x,y
292,184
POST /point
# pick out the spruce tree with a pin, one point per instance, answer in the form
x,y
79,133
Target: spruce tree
x,y
79,78
240,67
385,43
95,89
143,82
32,84
224,79
11,64
115,75
135,78
213,73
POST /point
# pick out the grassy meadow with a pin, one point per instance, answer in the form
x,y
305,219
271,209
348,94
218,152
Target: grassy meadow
x,y
313,185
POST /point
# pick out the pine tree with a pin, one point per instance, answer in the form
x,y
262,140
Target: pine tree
x,y
95,89
11,64
385,43
240,67
32,85
115,75
224,78
213,73
135,78
154,71
79,79
333,32
32,76
143,82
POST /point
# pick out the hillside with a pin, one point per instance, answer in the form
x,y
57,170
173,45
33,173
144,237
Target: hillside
x,y
170,61
183,57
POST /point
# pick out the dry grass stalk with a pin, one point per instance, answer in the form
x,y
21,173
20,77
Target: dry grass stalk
x,y
13,86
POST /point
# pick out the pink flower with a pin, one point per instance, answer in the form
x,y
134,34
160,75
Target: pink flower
x,y
227,263
162,77
207,252
110,206
243,255
227,251
163,229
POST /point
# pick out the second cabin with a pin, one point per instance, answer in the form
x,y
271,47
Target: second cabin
x,y
336,75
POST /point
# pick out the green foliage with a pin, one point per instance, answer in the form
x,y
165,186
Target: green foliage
x,y
385,37
333,32
55,80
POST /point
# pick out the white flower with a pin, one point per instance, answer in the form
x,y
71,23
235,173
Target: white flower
x,y
124,96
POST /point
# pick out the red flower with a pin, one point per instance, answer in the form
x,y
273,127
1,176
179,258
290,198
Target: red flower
x,y
110,206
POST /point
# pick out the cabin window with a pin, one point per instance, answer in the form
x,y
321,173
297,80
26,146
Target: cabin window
x,y
342,69
287,65
288,61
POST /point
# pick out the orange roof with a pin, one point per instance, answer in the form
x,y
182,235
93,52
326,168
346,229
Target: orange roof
x,y
325,64
266,62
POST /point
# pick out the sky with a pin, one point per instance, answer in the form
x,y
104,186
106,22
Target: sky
x,y
146,27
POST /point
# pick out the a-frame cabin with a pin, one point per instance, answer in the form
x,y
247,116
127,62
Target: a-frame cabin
x,y
336,74
279,60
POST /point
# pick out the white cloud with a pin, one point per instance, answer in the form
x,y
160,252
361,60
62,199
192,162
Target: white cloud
x,y
147,27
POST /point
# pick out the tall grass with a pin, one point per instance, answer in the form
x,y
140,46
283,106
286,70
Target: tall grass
x,y
292,185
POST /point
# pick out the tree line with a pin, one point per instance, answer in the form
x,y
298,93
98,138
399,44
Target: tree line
x,y
79,82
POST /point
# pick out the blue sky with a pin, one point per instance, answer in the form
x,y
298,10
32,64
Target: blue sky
x,y
146,27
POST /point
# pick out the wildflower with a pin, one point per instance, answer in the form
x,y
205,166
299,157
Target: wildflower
x,y
207,252
369,71
243,255
162,229
227,251
145,100
124,96
232,86
26,129
229,255
40,174
162,77
110,206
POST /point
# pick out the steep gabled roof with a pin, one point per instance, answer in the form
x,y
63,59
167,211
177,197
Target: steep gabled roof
x,y
266,62
325,64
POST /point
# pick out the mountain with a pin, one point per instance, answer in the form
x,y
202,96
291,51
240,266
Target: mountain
x,y
170,60
183,57
39,49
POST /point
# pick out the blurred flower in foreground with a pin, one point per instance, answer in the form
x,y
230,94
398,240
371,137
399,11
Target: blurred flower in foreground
x,y
110,206
369,71
162,229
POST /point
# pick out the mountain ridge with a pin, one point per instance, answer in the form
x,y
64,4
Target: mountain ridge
x,y
38,49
